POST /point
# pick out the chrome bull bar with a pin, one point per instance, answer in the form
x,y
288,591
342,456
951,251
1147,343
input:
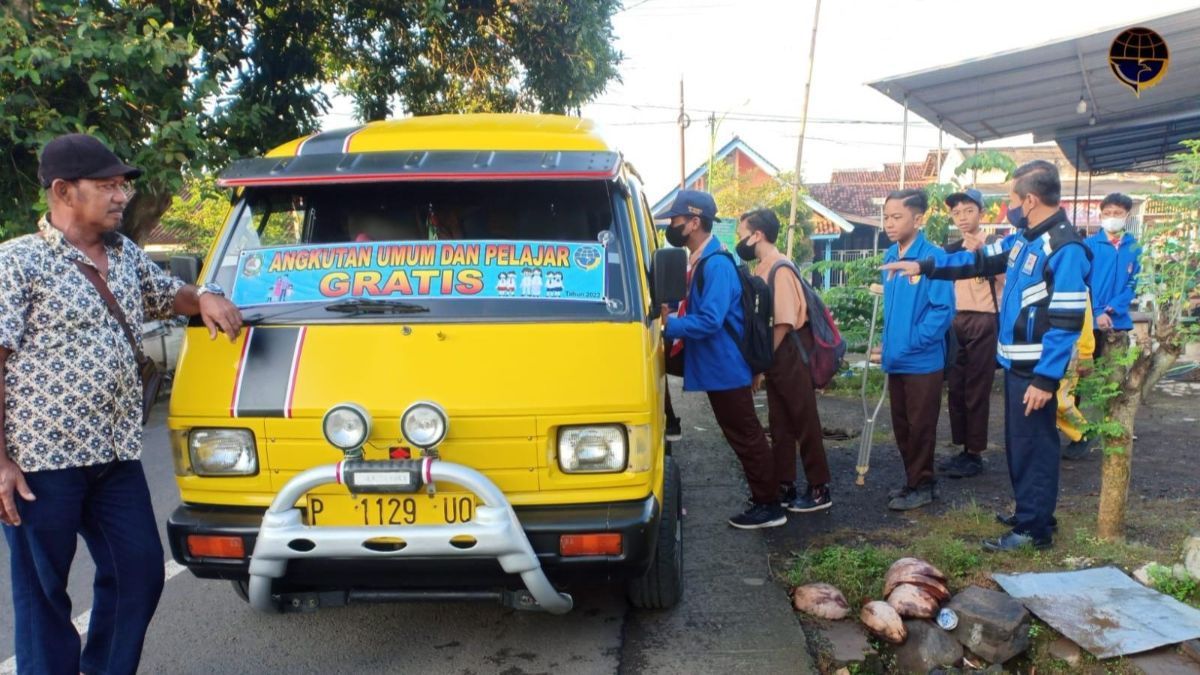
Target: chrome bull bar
x,y
495,529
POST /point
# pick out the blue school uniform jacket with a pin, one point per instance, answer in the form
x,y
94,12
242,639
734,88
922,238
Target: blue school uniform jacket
x,y
1045,295
712,360
1115,270
917,312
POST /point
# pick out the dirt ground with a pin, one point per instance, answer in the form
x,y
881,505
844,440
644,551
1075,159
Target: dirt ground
x,y
1166,474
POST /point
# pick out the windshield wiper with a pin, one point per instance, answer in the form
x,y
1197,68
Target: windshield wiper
x,y
366,306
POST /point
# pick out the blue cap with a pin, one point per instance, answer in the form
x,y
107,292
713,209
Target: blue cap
x,y
970,193
690,203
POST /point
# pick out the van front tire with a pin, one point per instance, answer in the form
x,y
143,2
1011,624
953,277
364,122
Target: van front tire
x,y
661,587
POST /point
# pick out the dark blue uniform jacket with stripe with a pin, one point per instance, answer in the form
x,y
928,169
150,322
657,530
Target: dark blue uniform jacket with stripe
x,y
1045,295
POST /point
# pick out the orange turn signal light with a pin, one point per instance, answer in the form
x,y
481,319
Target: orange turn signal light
x,y
208,546
590,544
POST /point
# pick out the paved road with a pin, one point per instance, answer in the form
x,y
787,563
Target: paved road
x,y
734,618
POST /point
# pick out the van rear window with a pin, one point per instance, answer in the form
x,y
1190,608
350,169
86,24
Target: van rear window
x,y
445,250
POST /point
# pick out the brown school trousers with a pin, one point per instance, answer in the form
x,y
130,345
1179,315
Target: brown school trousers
x,y
792,411
916,403
734,410
969,379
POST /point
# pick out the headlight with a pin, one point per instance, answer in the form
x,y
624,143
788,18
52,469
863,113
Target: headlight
x,y
223,452
599,449
346,426
424,424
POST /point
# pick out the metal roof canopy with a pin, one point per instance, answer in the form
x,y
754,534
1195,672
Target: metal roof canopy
x,y
1036,91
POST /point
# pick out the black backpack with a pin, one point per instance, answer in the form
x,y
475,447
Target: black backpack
x,y
757,342
829,349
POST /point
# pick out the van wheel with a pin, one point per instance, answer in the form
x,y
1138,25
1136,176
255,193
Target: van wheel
x,y
661,586
242,588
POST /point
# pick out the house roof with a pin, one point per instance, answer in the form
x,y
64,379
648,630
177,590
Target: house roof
x,y
1037,90
836,222
702,170
852,202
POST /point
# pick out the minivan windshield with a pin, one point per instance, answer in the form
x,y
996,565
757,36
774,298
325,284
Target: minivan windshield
x,y
430,252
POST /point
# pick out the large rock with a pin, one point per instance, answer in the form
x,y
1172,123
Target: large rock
x,y
1191,556
991,624
926,648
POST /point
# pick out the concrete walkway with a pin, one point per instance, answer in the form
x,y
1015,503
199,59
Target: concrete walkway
x,y
735,618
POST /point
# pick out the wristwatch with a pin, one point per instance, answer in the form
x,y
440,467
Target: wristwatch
x,y
210,288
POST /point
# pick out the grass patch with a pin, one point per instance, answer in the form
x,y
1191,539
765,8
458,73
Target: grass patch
x,y
857,572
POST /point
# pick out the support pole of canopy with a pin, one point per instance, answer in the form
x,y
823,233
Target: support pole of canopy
x,y
939,155
904,143
1074,210
1088,213
812,52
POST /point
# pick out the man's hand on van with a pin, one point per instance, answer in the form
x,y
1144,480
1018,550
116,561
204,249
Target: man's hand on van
x,y
220,314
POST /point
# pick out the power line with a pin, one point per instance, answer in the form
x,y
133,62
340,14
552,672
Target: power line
x,y
759,117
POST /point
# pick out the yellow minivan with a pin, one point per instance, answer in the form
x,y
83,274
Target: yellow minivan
x,y
451,385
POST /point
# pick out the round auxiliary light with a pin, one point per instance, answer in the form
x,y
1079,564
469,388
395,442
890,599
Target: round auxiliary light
x,y
346,426
424,424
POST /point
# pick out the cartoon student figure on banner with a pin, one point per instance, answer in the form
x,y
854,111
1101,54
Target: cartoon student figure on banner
x,y
554,284
535,288
281,290
526,282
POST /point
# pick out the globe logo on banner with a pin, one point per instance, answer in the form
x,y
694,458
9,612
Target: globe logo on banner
x,y
1139,58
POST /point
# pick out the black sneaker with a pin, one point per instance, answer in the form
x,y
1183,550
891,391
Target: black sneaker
x,y
1077,450
1015,541
674,429
896,492
815,499
912,498
1011,521
759,516
787,493
963,465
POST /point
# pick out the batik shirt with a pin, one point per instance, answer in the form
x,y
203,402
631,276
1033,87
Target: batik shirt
x,y
73,395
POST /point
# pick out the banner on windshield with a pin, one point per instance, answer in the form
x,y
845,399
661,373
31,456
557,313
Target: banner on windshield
x,y
567,271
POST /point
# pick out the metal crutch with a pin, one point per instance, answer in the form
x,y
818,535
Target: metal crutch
x,y
866,440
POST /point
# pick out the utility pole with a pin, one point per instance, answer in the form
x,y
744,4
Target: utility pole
x,y
812,52
684,122
904,144
712,149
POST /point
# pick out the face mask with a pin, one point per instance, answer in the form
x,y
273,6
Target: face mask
x,y
1113,225
745,251
676,237
1016,216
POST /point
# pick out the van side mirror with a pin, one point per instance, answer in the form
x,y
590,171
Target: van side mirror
x,y
186,267
669,272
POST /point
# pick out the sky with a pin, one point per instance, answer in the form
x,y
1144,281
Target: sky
x,y
748,60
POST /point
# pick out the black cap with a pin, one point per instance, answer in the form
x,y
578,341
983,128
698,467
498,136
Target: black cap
x,y
690,203
76,156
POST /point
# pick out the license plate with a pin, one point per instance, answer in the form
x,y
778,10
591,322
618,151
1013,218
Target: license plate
x,y
376,510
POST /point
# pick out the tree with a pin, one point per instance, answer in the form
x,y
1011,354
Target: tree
x,y
736,193
184,86
1133,364
120,74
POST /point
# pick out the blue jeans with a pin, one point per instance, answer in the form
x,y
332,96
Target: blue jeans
x,y
1032,447
109,504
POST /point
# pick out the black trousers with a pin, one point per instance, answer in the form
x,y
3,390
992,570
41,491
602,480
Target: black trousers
x,y
969,379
